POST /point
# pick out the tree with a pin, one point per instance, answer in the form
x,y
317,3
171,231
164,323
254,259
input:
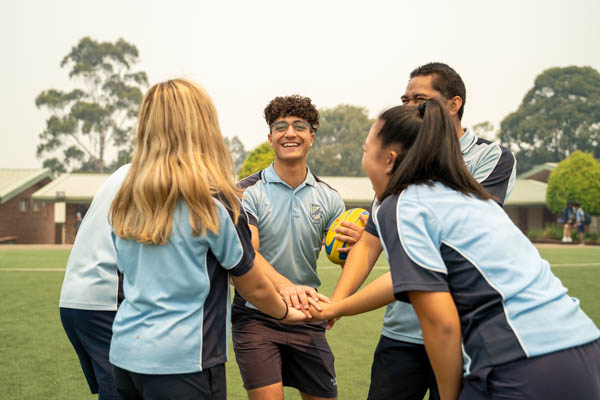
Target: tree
x,y
237,151
337,148
577,178
259,158
485,130
93,124
559,115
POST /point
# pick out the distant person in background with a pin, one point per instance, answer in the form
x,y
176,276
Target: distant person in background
x,y
180,232
78,219
568,220
580,222
92,291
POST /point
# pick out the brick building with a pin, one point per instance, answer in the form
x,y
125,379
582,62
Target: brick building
x,y
76,191
526,205
23,220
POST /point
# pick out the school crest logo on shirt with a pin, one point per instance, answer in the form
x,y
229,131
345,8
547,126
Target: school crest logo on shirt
x,y
468,164
316,213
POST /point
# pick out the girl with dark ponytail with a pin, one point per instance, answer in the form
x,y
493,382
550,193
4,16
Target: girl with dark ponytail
x,y
489,307
428,149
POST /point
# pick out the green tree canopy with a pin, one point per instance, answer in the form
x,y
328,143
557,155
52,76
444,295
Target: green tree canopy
x,y
259,158
577,178
237,151
559,115
337,149
485,130
90,128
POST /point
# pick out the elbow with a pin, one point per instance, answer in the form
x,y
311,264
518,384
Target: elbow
x,y
445,329
254,293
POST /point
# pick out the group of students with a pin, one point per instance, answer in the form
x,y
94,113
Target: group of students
x,y
473,311
573,216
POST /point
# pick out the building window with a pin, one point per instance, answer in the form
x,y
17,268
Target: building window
x,y
36,206
24,205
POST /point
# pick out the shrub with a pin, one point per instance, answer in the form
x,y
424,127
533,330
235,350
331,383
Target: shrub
x,y
576,178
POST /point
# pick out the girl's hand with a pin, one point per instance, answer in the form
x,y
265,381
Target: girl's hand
x,y
324,314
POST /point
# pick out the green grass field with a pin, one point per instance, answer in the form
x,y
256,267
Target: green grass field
x,y
38,362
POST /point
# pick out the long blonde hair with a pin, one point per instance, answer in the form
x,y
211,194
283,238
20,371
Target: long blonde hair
x,y
179,153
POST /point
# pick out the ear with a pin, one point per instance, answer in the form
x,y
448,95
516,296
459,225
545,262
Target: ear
x,y
454,104
312,139
270,137
390,159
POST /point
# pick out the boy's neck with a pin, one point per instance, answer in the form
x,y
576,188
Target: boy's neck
x,y
293,173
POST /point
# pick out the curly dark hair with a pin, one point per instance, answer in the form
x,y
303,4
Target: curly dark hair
x,y
294,105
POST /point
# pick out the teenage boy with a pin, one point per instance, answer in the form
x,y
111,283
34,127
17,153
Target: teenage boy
x,y
401,369
289,212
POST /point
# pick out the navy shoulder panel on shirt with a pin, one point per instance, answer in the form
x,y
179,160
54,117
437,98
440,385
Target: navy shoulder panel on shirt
x,y
230,208
319,180
484,322
371,227
250,180
407,273
498,180
214,326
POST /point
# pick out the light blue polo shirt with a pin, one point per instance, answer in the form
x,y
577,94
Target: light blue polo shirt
x,y
494,167
91,281
510,304
175,318
291,222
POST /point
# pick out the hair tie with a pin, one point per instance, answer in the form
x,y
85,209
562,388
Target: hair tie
x,y
422,109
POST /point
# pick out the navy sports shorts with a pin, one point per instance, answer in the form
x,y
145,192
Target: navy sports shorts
x,y
90,333
402,371
209,384
268,352
567,374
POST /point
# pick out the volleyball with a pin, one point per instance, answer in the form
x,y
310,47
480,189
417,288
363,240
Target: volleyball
x,y
332,244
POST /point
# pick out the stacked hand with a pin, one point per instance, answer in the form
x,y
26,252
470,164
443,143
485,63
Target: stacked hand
x,y
303,298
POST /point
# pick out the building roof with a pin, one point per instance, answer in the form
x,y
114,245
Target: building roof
x,y
527,192
358,190
355,191
539,172
72,188
15,181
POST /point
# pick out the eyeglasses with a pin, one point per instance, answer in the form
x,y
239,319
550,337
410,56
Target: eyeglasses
x,y
282,126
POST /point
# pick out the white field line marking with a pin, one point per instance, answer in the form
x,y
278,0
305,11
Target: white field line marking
x,y
32,269
577,265
325,267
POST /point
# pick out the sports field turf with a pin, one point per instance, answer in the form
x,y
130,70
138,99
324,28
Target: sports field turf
x,y
38,362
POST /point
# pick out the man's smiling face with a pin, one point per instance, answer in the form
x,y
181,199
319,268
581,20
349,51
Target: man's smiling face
x,y
291,137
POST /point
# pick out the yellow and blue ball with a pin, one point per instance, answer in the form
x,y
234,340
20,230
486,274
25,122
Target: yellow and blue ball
x,y
332,244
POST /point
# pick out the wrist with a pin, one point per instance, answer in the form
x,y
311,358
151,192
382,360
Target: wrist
x,y
282,284
331,311
287,309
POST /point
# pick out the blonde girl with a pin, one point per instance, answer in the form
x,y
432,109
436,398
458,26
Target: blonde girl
x,y
179,232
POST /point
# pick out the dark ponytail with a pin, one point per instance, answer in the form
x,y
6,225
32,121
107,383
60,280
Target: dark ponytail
x,y
428,149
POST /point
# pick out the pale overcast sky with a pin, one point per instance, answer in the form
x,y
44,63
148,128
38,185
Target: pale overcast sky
x,y
336,52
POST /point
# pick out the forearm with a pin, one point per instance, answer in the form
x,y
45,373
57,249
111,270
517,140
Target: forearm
x,y
255,287
358,266
442,336
375,295
278,280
